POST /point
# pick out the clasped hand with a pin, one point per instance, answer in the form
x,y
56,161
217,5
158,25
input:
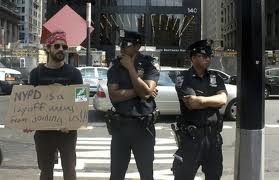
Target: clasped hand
x,y
127,61
192,102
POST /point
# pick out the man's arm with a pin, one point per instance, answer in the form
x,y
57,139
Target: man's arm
x,y
202,102
144,89
119,95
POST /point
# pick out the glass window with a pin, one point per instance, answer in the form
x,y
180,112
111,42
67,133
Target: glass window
x,y
166,3
274,72
87,73
132,22
165,79
167,29
131,2
102,73
90,73
173,74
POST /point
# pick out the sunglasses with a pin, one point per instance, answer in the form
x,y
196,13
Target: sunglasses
x,y
57,46
125,44
204,56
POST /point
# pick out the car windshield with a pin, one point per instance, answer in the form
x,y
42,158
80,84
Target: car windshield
x,y
165,79
88,73
102,73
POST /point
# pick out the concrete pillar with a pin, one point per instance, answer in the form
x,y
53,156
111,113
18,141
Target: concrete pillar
x,y
5,30
10,38
16,33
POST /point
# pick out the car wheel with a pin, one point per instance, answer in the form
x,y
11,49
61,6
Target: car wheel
x,y
266,92
231,109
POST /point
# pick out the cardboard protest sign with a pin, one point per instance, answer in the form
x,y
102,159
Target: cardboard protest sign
x,y
48,107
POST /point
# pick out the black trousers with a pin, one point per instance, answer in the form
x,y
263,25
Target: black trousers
x,y
206,151
47,144
138,139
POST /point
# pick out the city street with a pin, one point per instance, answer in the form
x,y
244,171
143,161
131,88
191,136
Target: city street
x,y
93,149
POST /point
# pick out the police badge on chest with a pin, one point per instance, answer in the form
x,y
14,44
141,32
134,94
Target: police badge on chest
x,y
213,82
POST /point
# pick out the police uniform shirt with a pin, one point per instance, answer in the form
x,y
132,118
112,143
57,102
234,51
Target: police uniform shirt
x,y
189,83
147,69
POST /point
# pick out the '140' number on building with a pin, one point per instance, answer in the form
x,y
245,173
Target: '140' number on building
x,y
192,10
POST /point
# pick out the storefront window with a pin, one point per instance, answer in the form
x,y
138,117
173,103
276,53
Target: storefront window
x,y
133,22
131,2
111,23
166,3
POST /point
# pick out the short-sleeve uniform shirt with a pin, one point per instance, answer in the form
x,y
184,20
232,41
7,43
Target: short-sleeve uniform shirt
x,y
147,69
187,83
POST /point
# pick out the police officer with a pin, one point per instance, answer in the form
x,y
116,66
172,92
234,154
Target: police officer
x,y
201,93
132,81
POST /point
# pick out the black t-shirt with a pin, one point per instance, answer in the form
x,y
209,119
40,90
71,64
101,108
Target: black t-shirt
x,y
189,83
65,75
147,68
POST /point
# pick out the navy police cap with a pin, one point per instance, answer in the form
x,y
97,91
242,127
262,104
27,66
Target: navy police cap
x,y
202,47
131,36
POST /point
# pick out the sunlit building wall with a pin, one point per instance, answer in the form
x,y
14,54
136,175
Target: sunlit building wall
x,y
213,22
9,20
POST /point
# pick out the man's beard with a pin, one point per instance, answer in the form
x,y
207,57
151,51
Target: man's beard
x,y
58,57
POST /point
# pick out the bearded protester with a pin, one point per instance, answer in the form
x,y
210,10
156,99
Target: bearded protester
x,y
47,142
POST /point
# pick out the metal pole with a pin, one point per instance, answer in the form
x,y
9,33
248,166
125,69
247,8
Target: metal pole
x,y
249,149
88,20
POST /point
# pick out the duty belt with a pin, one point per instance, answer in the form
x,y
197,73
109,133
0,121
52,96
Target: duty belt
x,y
131,120
194,131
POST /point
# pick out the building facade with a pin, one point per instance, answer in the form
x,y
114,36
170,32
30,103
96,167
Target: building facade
x,y
212,22
229,24
9,20
219,23
272,24
31,16
213,19
168,25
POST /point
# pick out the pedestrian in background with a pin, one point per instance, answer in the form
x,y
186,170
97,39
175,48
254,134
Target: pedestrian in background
x,y
47,142
201,93
132,81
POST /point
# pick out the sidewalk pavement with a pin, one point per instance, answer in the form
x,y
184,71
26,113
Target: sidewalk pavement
x,y
33,174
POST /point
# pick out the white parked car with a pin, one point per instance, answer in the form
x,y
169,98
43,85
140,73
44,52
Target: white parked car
x,y
8,78
167,100
92,75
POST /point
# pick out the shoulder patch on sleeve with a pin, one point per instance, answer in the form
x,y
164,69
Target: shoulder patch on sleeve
x,y
179,79
155,63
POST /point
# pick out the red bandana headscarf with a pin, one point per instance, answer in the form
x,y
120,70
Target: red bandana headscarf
x,y
56,36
